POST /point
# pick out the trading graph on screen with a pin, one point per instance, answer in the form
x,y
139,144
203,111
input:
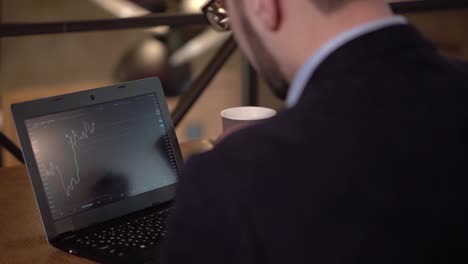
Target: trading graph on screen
x,y
93,156
68,184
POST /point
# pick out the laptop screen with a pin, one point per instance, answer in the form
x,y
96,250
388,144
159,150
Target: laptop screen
x,y
96,155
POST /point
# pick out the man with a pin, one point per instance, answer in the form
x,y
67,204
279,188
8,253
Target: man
x,y
368,163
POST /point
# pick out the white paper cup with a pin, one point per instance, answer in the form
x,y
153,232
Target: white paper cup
x,y
239,117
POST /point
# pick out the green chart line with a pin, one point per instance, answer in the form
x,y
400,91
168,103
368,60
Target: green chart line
x,y
88,129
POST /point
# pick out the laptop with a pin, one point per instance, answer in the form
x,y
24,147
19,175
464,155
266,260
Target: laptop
x,y
103,165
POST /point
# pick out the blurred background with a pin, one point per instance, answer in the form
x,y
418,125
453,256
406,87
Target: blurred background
x,y
38,66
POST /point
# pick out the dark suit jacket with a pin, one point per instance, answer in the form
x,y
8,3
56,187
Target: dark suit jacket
x,y
369,167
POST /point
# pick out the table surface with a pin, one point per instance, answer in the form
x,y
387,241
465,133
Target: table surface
x,y
22,237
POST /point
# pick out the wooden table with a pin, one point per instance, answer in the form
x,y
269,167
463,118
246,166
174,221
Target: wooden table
x,y
22,238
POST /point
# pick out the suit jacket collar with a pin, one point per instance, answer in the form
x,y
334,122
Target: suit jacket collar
x,y
353,64
307,70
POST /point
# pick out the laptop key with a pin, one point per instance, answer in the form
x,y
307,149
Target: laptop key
x,y
104,247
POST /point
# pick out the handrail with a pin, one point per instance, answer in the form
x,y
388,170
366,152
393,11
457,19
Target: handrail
x,y
171,20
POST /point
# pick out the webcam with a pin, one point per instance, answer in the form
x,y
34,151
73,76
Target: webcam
x,y
92,97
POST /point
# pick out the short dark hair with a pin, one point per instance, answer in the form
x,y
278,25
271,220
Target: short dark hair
x,y
328,5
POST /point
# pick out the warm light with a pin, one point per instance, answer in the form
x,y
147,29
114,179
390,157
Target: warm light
x,y
193,6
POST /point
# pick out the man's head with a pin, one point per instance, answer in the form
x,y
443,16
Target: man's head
x,y
278,36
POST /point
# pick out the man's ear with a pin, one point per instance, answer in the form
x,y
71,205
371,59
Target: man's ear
x,y
268,13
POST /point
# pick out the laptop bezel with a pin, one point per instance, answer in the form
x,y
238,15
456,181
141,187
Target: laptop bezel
x,y
46,106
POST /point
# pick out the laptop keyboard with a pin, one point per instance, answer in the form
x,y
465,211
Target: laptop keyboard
x,y
136,234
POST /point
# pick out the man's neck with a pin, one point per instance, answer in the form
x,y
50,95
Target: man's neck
x,y
346,18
